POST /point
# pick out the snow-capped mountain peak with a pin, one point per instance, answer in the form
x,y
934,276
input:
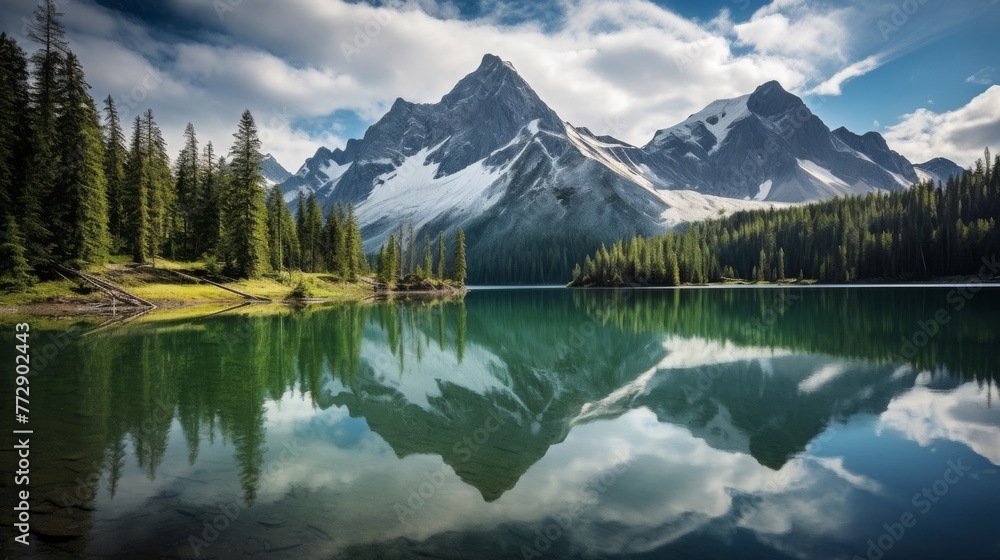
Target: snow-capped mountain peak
x,y
535,193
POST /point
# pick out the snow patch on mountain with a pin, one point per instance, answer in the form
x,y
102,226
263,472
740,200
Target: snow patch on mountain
x,y
692,206
765,189
334,171
822,174
717,117
924,175
415,194
603,152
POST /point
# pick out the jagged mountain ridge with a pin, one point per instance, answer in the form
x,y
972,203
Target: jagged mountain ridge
x,y
535,193
274,173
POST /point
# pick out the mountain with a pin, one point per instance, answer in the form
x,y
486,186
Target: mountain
x,y
769,146
938,170
490,157
274,173
535,193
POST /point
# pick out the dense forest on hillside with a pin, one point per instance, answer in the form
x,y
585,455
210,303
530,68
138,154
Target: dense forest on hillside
x,y
75,190
925,231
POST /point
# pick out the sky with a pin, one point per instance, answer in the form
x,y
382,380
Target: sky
x,y
924,73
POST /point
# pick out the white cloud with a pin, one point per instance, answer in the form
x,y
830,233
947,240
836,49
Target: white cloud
x,y
798,30
983,77
860,68
959,135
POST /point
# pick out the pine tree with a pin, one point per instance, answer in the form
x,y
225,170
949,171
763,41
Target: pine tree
x,y
186,187
459,271
428,266
301,231
14,267
336,241
282,239
48,32
673,270
207,224
135,209
441,265
81,210
313,224
15,145
356,262
245,216
411,250
114,168
161,195
386,273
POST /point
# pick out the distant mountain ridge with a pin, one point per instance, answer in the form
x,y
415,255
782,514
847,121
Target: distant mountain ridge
x,y
273,172
534,193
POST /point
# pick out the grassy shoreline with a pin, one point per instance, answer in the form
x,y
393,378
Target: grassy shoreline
x,y
169,285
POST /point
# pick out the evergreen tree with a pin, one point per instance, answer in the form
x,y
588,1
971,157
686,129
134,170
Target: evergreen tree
x,y
282,239
161,196
301,231
15,144
428,266
135,205
336,241
459,272
14,267
207,197
48,32
114,168
386,270
244,221
80,206
355,258
186,209
441,265
312,251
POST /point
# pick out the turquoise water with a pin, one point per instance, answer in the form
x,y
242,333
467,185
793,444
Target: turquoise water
x,y
721,423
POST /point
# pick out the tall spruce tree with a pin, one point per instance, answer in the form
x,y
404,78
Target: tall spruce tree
x,y
386,270
48,32
161,195
313,225
114,168
300,228
245,216
135,199
441,267
206,203
80,206
282,238
186,210
428,266
459,270
15,146
356,262
336,241
14,267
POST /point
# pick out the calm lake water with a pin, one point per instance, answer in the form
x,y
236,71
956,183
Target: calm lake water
x,y
699,423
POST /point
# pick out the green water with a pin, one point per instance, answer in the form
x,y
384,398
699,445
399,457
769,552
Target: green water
x,y
696,423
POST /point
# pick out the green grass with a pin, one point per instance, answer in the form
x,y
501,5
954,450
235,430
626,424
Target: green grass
x,y
163,286
48,292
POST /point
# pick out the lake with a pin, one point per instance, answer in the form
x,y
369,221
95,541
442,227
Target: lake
x,y
688,423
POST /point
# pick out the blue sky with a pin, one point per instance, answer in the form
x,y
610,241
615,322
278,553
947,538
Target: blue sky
x,y
317,72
